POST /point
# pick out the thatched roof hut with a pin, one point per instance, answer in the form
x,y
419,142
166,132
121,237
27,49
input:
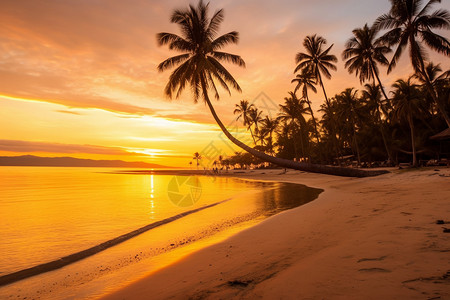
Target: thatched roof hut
x,y
441,136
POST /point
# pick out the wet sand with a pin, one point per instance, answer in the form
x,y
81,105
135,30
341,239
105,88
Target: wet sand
x,y
369,238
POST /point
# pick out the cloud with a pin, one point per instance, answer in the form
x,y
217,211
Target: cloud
x,y
69,112
32,146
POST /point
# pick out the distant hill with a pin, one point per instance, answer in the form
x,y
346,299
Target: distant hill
x,y
31,160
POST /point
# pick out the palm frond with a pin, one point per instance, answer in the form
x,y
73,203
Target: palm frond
x,y
436,42
226,76
170,62
214,24
231,58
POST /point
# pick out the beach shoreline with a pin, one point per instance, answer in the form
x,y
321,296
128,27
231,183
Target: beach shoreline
x,y
365,238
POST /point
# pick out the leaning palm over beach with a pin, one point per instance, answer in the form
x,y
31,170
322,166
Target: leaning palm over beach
x,y
200,67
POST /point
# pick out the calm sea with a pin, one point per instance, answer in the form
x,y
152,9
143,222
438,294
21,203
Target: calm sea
x,y
50,212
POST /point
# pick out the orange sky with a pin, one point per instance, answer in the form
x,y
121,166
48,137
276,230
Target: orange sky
x,y
79,77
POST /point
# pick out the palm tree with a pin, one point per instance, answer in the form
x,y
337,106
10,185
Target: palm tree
x,y
306,80
436,77
316,60
363,53
292,113
371,94
349,115
408,23
407,104
243,110
197,157
268,126
255,119
200,68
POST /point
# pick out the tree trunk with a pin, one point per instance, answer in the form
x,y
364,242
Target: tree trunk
x,y
413,140
333,123
383,136
313,119
380,85
285,163
357,147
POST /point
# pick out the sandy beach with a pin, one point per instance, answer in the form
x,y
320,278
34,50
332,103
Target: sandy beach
x,y
370,238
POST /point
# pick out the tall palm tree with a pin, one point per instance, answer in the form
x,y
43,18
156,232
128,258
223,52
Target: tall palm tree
x,y
197,157
407,103
199,66
243,109
316,59
363,53
411,25
307,80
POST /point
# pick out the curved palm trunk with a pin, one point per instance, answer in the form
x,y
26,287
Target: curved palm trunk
x,y
375,73
314,168
413,140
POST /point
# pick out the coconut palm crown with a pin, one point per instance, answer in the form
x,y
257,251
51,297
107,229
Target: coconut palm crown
x,y
410,24
363,52
316,59
200,64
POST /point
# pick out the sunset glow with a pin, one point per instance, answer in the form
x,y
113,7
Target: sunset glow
x,y
79,78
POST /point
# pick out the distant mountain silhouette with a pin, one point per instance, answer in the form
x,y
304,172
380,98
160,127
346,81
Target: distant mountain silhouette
x,y
31,160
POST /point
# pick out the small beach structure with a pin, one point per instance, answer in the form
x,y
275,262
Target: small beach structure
x,y
444,143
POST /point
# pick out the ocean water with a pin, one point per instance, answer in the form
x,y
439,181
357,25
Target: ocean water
x,y
50,212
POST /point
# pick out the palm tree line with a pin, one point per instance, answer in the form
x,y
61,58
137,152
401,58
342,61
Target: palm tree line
x,y
350,118
296,134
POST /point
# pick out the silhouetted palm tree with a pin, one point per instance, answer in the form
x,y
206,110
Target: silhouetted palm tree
x,y
200,68
363,53
306,80
316,59
197,157
349,115
255,118
410,25
437,79
407,103
371,94
243,110
268,126
292,113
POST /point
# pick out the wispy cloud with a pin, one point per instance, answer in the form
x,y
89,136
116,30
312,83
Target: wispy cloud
x,y
36,146
68,112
